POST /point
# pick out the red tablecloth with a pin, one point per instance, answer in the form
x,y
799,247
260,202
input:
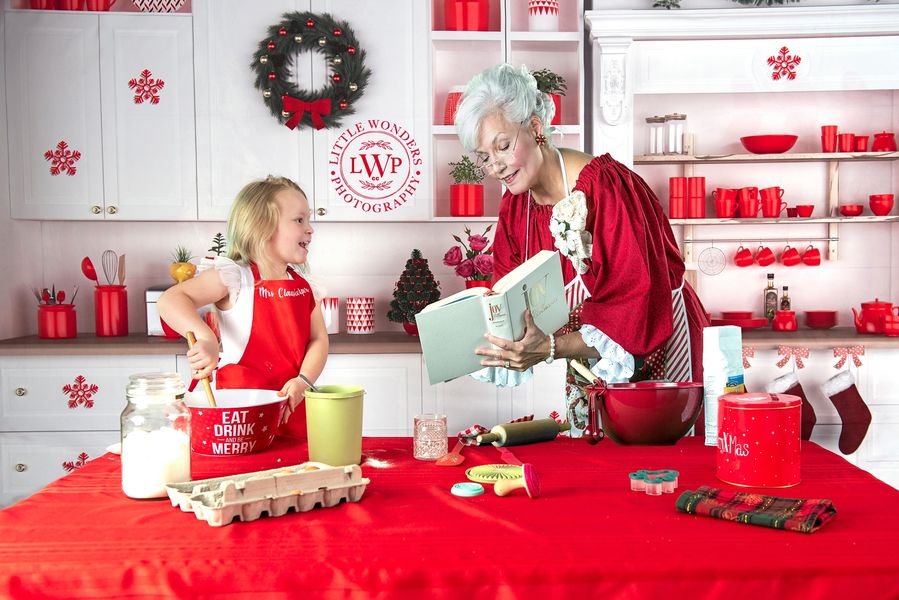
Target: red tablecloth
x,y
588,533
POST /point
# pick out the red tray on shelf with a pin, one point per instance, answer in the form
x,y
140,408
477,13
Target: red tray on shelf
x,y
753,323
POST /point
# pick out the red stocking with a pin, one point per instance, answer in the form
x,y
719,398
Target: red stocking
x,y
853,411
789,384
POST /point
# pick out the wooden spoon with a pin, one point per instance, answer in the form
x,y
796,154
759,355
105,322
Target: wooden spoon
x,y
452,459
191,340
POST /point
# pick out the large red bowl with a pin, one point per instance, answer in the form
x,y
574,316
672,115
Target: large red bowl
x,y
648,413
821,319
768,144
243,421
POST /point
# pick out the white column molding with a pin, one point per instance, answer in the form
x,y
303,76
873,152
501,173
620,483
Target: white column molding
x,y
613,78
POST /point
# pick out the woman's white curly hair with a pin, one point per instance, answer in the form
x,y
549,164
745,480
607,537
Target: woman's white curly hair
x,y
505,90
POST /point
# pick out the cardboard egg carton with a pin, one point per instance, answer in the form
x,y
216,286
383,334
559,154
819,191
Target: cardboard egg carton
x,y
275,492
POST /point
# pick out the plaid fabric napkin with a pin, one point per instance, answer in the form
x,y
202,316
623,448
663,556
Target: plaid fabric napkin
x,y
794,514
469,435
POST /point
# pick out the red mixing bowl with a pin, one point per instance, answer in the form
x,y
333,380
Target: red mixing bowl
x,y
768,144
851,210
243,421
821,319
648,413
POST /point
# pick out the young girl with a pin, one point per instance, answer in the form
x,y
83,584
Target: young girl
x,y
270,320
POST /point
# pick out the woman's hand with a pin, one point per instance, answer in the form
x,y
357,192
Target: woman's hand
x,y
203,358
295,390
518,356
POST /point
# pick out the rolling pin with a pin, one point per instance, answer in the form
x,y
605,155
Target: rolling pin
x,y
526,432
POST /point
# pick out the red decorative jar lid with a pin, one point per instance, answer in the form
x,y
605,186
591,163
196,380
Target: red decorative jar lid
x,y
759,401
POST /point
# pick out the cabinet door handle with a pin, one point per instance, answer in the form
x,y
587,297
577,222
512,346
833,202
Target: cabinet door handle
x,y
96,209
21,467
112,210
321,211
21,391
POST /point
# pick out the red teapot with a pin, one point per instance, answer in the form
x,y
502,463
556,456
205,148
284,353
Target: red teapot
x,y
784,320
884,142
871,318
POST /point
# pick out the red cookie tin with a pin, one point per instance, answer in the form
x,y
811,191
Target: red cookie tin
x,y
758,439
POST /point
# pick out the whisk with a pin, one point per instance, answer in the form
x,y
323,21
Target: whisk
x,y
110,263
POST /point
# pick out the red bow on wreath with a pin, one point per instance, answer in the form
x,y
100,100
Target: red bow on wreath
x,y
298,107
844,353
787,353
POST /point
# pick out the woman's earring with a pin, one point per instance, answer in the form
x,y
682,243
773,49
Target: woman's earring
x,y
540,139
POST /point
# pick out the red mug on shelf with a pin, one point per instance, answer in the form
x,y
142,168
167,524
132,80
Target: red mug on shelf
x,y
56,321
43,4
805,210
749,202
725,202
881,204
764,256
69,4
828,138
743,257
811,256
466,15
677,197
790,256
846,142
772,202
784,320
861,143
695,197
891,325
99,5
792,211
111,310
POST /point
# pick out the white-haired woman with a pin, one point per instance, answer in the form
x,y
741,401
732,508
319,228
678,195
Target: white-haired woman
x,y
632,314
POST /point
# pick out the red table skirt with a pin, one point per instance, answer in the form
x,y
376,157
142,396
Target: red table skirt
x,y
587,534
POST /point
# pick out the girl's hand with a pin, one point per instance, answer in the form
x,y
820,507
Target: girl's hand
x,y
518,356
294,389
203,358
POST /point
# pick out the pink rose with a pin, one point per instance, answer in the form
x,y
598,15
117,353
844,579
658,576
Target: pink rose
x,y
477,242
453,256
483,263
465,269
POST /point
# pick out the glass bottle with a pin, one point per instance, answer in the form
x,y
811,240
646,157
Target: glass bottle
x,y
769,297
785,299
155,435
656,129
676,126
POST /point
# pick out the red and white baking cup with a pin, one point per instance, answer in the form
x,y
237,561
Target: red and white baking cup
x,y
360,315
331,314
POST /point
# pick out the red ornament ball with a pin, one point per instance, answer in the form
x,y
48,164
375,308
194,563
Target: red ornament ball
x,y
336,77
282,32
270,45
338,31
310,23
351,50
272,76
344,105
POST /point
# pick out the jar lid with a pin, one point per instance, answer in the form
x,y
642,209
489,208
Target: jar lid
x,y
759,401
655,119
676,117
162,385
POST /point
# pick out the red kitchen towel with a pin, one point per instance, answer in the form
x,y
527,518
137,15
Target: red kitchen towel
x,y
805,516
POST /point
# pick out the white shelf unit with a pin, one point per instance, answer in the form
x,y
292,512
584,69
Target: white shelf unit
x,y
456,56
832,219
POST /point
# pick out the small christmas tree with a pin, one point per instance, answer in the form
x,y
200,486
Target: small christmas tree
x,y
415,289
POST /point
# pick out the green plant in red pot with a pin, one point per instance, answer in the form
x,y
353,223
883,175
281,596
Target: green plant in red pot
x,y
467,193
555,87
415,289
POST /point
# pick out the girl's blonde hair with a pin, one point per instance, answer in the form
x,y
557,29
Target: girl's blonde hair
x,y
254,218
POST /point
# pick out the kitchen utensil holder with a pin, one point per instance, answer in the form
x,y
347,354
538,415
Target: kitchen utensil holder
x,y
111,310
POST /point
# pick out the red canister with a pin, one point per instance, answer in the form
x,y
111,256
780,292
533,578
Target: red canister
x,y
758,439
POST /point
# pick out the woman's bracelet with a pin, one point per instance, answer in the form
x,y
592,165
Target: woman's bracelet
x,y
552,349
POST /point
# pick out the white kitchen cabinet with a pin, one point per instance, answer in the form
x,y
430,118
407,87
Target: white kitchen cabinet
x,y
238,138
71,82
53,409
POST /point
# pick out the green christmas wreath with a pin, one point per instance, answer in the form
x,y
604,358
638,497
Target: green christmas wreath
x,y
273,60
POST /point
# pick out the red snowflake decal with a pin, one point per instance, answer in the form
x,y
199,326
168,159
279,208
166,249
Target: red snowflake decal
x,y
146,88
784,64
80,393
70,466
62,159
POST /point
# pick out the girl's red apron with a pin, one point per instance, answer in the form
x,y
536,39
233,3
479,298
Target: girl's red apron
x,y
282,311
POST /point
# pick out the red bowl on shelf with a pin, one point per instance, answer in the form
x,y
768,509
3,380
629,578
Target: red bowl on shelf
x,y
648,413
768,144
736,314
851,210
753,323
820,319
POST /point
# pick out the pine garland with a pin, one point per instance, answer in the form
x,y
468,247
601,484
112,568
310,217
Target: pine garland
x,y
415,289
274,59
